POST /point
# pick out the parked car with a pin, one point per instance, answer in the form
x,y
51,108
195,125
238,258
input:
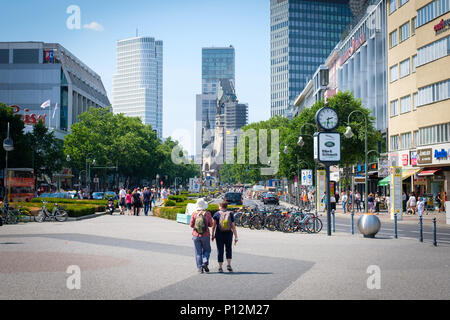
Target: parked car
x,y
98,195
270,198
110,194
233,198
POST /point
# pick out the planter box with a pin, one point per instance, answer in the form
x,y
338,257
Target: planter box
x,y
184,218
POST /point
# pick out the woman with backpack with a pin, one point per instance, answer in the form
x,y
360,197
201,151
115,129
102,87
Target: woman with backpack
x,y
201,221
222,230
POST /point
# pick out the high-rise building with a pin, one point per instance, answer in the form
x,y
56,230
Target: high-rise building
x,y
419,94
34,72
138,82
303,33
217,63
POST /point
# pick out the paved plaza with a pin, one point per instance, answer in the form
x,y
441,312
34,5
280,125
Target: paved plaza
x,y
126,257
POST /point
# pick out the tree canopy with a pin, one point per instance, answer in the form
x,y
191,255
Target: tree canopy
x,y
302,157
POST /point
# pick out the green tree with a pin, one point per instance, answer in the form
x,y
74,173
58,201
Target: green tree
x,y
21,156
300,158
47,151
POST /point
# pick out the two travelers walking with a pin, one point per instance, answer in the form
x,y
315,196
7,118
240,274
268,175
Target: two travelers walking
x,y
223,229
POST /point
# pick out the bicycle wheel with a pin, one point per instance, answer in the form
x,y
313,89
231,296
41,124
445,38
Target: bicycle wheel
x,y
314,225
11,218
40,217
61,215
244,221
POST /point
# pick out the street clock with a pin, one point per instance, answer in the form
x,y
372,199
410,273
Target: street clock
x,y
327,119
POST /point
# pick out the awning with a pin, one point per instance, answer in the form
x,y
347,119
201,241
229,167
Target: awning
x,y
406,173
428,172
384,182
409,172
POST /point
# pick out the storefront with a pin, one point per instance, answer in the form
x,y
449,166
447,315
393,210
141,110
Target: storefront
x,y
426,171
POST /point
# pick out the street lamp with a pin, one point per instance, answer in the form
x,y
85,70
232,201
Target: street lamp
x,y
8,145
349,134
301,143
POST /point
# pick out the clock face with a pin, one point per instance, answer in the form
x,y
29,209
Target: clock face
x,y
327,118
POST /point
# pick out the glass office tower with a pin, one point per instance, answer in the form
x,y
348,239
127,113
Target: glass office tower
x,y
303,33
138,82
218,63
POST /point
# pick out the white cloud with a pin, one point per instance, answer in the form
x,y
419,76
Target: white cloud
x,y
95,26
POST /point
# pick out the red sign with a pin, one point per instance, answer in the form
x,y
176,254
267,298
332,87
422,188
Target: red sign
x,y
354,47
28,118
405,159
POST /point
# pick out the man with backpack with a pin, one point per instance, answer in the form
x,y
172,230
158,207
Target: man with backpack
x,y
201,221
223,229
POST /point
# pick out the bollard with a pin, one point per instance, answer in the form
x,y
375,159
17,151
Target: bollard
x,y
334,221
421,228
353,223
395,226
434,232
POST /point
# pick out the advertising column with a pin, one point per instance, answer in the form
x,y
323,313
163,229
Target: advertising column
x,y
396,193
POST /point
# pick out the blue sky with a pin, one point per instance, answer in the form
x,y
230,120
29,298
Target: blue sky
x,y
185,26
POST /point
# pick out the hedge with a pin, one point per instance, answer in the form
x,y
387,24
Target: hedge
x,y
170,203
178,198
167,212
73,210
71,201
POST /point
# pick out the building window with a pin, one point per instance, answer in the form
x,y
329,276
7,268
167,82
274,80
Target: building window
x,y
414,63
433,51
406,140
405,68
415,100
402,2
405,104
392,5
26,56
413,26
394,73
416,138
394,143
431,11
394,108
404,31
434,134
434,93
393,40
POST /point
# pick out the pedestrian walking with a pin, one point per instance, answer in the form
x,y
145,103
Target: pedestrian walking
x,y
370,202
122,203
412,204
136,202
421,204
344,202
147,197
201,221
377,203
358,201
129,201
164,195
223,230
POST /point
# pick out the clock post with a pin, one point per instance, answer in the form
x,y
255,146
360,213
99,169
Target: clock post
x,y
327,149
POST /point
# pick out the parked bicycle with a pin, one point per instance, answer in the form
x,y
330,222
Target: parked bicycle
x,y
57,214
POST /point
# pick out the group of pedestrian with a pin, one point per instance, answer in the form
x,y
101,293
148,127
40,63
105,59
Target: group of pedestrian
x,y
137,201
222,231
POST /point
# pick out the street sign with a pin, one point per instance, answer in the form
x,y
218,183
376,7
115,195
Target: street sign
x,y
307,178
396,201
359,180
328,146
96,180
